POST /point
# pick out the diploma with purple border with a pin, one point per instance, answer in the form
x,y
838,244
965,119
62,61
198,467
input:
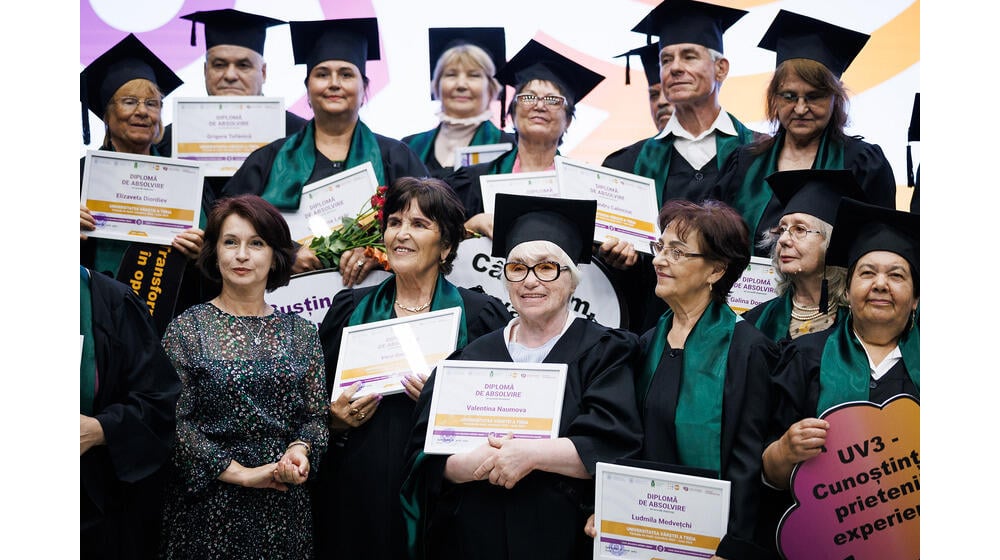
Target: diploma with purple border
x,y
472,155
220,131
140,198
626,203
644,514
380,353
474,400
540,183
755,285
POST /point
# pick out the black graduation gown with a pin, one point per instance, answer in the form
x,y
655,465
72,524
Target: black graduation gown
x,y
356,509
543,516
398,160
121,483
465,182
866,161
434,166
745,413
795,393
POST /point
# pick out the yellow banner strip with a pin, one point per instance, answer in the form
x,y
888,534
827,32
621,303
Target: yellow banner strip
x,y
618,219
659,535
492,422
187,148
386,367
109,207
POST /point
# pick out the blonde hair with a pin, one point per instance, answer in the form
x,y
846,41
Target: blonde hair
x,y
465,55
139,87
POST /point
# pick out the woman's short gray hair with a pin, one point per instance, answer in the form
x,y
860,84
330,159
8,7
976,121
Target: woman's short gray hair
x,y
540,250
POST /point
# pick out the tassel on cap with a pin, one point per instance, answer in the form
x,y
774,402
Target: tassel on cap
x,y
910,182
503,106
193,42
628,70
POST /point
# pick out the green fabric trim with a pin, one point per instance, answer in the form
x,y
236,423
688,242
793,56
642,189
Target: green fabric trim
x,y
844,373
421,143
698,419
88,360
377,305
653,160
775,319
293,165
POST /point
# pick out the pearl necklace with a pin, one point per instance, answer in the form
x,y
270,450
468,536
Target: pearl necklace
x,y
416,309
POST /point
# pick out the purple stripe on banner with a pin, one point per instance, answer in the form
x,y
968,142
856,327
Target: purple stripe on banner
x,y
626,231
656,547
461,433
141,222
213,158
367,381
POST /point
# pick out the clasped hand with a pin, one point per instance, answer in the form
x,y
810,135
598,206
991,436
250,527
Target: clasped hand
x,y
503,461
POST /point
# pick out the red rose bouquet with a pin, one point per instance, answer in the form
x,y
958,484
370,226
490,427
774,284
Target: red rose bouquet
x,y
363,230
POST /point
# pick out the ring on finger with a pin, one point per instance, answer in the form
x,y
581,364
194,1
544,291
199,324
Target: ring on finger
x,y
361,263
361,416
354,411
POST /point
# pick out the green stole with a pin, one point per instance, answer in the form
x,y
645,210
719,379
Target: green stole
x,y
844,374
754,193
293,165
654,157
504,163
88,363
698,419
776,317
377,305
421,144
108,253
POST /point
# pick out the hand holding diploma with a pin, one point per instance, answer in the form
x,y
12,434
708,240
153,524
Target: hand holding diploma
x,y
618,253
345,414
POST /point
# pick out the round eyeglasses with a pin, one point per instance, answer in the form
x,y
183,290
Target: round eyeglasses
x,y
529,100
791,98
132,103
797,232
673,254
545,271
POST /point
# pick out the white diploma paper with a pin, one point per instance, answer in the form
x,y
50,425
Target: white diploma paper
x,y
648,514
626,203
379,354
325,203
474,400
141,198
220,131
541,183
471,155
755,286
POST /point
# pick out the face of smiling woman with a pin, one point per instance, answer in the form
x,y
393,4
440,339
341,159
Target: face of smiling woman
x,y
335,88
413,242
244,257
881,292
133,130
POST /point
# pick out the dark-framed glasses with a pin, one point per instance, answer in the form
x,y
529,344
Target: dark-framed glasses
x,y
529,100
797,232
673,254
545,271
130,103
792,98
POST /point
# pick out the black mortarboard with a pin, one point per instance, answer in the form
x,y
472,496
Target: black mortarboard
x,y
127,60
535,61
232,27
862,228
912,135
650,56
353,40
794,35
568,223
687,21
490,39
816,192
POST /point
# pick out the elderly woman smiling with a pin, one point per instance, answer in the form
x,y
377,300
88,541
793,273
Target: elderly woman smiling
x,y
517,498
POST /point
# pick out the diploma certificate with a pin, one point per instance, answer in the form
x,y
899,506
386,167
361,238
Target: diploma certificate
x,y
220,131
141,198
379,354
325,203
541,183
471,155
474,400
626,203
648,514
755,286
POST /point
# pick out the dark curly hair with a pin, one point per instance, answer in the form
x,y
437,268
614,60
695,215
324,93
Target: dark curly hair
x,y
438,202
269,224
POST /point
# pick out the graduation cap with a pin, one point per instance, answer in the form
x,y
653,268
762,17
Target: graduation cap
x,y
912,135
794,35
535,61
490,39
862,228
354,40
816,192
128,60
232,27
569,223
688,21
650,57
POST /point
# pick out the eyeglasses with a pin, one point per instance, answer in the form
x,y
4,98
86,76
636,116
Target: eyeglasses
x,y
545,271
673,254
529,100
797,232
790,98
132,103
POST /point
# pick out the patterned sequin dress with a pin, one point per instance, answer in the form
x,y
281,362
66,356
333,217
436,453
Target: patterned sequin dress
x,y
251,386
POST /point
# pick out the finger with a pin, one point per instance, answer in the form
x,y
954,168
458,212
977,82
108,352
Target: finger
x,y
483,470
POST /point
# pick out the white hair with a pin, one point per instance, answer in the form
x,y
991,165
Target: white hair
x,y
540,250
